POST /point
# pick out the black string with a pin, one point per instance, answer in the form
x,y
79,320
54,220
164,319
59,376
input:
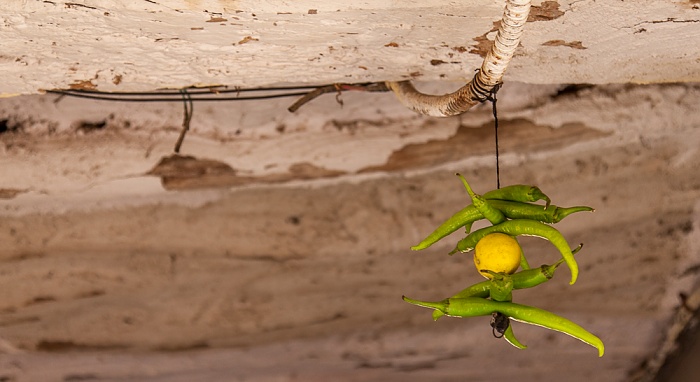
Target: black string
x,y
192,91
189,108
499,324
147,97
494,100
213,93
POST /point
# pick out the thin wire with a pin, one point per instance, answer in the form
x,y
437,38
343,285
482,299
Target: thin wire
x,y
115,97
189,108
200,94
193,91
494,100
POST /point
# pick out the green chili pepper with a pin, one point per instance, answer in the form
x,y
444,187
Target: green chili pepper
x,y
528,278
533,277
464,217
501,288
510,337
437,314
474,306
512,210
521,210
481,289
518,193
502,328
523,261
523,279
492,214
525,227
468,227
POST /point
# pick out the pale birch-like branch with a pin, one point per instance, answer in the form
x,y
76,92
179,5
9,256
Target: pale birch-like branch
x,y
488,77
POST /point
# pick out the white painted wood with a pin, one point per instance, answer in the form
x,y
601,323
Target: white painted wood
x,y
142,45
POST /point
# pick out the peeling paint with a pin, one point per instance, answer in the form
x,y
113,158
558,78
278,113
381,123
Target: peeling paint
x,y
483,44
9,193
178,172
515,134
247,39
570,44
692,4
83,85
549,10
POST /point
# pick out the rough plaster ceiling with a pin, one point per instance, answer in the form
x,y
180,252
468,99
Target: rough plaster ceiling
x,y
128,45
99,257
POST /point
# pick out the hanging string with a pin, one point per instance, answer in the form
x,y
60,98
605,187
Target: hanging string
x,y
189,108
494,100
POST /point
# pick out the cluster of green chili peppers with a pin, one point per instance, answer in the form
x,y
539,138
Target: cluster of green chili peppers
x,y
510,210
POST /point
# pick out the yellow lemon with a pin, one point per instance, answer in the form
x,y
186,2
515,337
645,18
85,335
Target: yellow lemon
x,y
497,252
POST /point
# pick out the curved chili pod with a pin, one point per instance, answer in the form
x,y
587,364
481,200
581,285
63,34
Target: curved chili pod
x,y
528,278
533,277
492,214
437,314
517,227
474,306
512,210
561,212
482,289
518,193
510,337
524,279
501,288
522,210
523,261
465,216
